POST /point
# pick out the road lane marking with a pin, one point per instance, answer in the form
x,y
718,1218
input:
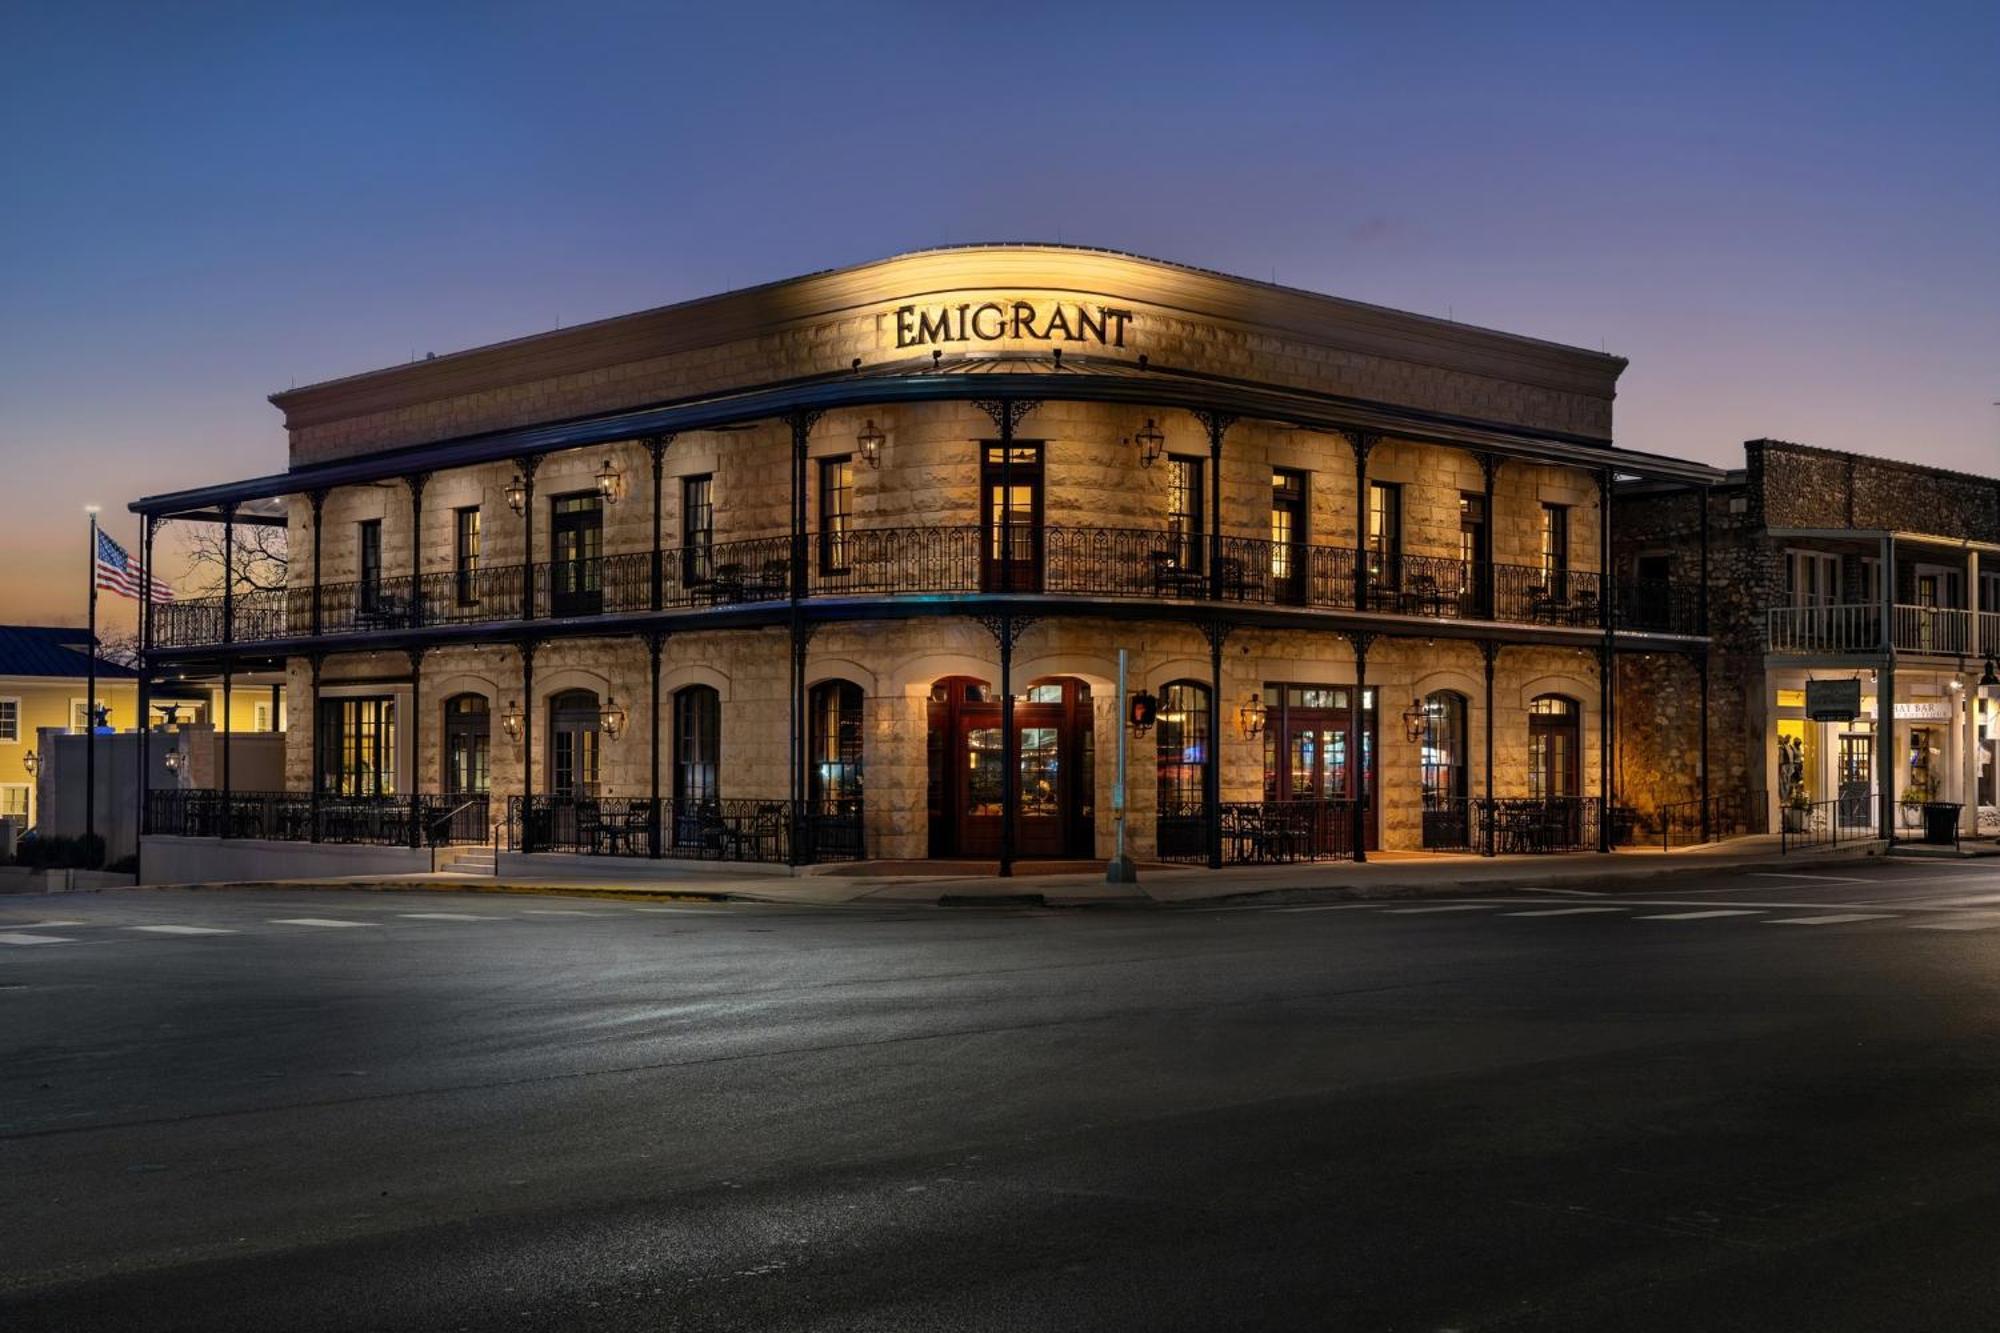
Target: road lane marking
x,y
182,930
445,916
1426,911
560,911
1701,916
1317,907
16,937
1839,918
42,925
1983,900
1569,911
1988,922
1830,879
327,921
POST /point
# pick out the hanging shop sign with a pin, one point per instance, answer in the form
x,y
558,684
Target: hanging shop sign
x,y
1011,321
1924,710
1833,700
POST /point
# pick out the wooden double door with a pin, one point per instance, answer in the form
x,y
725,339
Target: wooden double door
x,y
1306,749
1056,766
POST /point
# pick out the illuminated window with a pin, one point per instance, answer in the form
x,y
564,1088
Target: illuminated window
x,y
465,554
836,515
1184,511
835,741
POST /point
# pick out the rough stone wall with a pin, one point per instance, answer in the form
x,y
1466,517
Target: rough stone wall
x,y
1798,486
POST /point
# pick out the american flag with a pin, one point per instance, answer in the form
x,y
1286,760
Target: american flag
x,y
118,572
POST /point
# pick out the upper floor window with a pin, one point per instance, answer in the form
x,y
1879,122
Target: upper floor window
x,y
1989,591
10,721
1870,591
1471,527
1184,511
1288,532
371,560
465,553
1812,578
698,528
836,514
1385,530
1555,544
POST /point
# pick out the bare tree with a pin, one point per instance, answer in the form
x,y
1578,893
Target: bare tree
x,y
260,558
119,647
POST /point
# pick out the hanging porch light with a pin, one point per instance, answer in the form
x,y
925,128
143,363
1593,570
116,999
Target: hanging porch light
x,y
1250,716
610,483
510,721
517,494
1152,443
611,718
1991,679
870,442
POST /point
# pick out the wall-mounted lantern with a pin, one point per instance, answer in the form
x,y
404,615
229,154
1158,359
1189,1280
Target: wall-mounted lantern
x,y
1991,680
1142,712
610,483
32,762
1415,719
517,494
176,760
611,718
510,721
869,442
1151,443
1250,716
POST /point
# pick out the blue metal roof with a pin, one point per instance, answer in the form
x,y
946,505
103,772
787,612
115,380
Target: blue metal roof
x,y
55,651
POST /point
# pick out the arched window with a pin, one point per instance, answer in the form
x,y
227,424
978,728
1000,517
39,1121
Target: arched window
x,y
573,743
834,741
1181,756
697,744
1554,746
468,739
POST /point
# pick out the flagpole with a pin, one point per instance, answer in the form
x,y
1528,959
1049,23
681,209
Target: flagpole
x,y
90,699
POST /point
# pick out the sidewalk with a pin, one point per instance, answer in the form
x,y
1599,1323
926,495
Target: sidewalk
x,y
1385,875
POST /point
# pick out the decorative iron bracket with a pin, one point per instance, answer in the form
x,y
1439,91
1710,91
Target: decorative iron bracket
x,y
1006,628
1215,423
1216,633
1007,413
1363,443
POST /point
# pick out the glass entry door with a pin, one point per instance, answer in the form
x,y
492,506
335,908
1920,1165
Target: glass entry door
x,y
1306,751
1857,780
576,579
1055,770
1010,485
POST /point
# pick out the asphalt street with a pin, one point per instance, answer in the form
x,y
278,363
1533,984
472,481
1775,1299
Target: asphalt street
x,y
1755,1101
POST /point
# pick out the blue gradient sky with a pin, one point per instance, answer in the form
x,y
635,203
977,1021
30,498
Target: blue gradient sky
x,y
1788,217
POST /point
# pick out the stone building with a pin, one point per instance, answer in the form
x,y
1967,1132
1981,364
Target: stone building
x,y
841,566
1798,541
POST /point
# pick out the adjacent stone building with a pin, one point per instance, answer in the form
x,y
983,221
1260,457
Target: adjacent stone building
x,y
841,566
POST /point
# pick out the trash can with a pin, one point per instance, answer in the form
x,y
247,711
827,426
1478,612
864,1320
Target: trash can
x,y
1941,822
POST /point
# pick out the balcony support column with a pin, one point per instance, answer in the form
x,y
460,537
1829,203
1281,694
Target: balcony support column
x,y
229,572
1216,424
1489,653
1363,443
802,424
146,525
527,464
315,661
1216,632
416,481
1489,471
1701,772
528,647
1607,684
1702,497
416,746
1357,761
656,449
318,499
1006,629
1885,698
228,680
656,642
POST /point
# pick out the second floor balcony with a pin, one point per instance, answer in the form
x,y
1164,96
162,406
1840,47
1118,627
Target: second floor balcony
x,y
1089,563
1858,628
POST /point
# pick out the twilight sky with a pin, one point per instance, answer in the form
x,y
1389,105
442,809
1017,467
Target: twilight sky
x,y
1788,217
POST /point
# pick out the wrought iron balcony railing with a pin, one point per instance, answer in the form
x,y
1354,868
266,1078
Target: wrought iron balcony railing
x,y
1125,563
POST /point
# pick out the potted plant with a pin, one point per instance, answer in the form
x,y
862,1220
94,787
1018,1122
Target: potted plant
x,y
1798,812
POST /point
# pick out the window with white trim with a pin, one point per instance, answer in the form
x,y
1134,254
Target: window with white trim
x,y
1812,578
14,802
79,717
10,721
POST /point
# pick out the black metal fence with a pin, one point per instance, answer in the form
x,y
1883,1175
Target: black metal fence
x,y
1074,561
1825,824
1687,823
1535,824
294,816
773,832
1258,832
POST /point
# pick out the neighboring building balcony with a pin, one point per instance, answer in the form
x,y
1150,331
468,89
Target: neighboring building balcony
x,y
1857,628
1063,562
1055,562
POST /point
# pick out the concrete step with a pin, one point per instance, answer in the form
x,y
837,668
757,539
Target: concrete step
x,y
468,860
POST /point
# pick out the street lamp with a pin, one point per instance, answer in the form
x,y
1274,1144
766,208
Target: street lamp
x,y
510,721
517,494
610,483
1151,443
1250,716
611,718
869,442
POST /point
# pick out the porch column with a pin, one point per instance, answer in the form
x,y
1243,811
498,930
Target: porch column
x,y
318,499
656,448
1607,686
1217,424
1489,653
229,572
228,679
1702,496
416,481
528,745
316,660
655,643
1489,577
801,424
145,674
416,746
1701,670
1355,758
1211,777
801,640
527,463
1363,443
1885,698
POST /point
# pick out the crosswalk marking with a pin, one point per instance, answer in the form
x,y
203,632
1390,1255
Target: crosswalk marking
x,y
1569,911
1700,916
327,921
44,925
445,916
1426,911
182,930
16,937
1836,919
